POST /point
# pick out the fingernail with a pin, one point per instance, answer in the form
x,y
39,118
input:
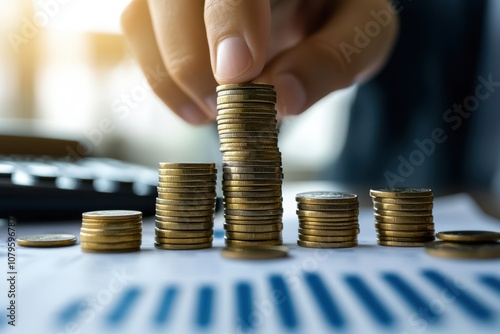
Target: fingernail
x,y
192,114
233,58
211,101
291,94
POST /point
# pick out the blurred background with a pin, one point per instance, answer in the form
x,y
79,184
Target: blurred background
x,y
65,72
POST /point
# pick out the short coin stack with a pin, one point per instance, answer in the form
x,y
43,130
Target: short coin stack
x,y
466,245
185,206
252,173
403,216
327,219
111,231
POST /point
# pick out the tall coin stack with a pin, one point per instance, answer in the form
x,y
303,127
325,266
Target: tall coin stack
x,y
403,216
327,219
185,206
252,173
111,231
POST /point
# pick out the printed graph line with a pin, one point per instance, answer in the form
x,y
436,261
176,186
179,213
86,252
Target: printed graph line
x,y
165,307
491,281
466,301
325,301
371,302
204,312
124,306
284,302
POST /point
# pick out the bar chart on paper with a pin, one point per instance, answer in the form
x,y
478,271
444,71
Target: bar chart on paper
x,y
367,289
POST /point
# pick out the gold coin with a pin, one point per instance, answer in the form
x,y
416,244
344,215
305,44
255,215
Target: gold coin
x,y
458,250
245,243
254,200
183,247
249,134
185,196
112,214
183,241
255,252
327,220
326,197
323,232
111,222
187,178
422,239
264,98
254,228
258,218
326,207
249,194
405,227
256,176
404,220
252,170
115,251
183,226
239,91
403,207
469,236
327,214
253,236
255,184
404,201
105,238
195,165
259,213
245,104
176,219
328,233
187,184
263,221
164,186
250,189
392,213
186,202
400,192
114,226
185,207
329,238
252,163
183,234
248,85
237,119
406,234
114,231
186,171
235,147
110,246
46,240
254,207
246,126
202,213
255,139
403,243
312,244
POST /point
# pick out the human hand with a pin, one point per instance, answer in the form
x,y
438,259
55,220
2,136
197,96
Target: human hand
x,y
305,48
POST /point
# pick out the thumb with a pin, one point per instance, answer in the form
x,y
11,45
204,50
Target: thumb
x,y
238,35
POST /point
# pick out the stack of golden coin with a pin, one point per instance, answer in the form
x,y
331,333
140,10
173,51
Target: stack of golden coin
x,y
185,206
111,231
403,216
327,219
252,173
